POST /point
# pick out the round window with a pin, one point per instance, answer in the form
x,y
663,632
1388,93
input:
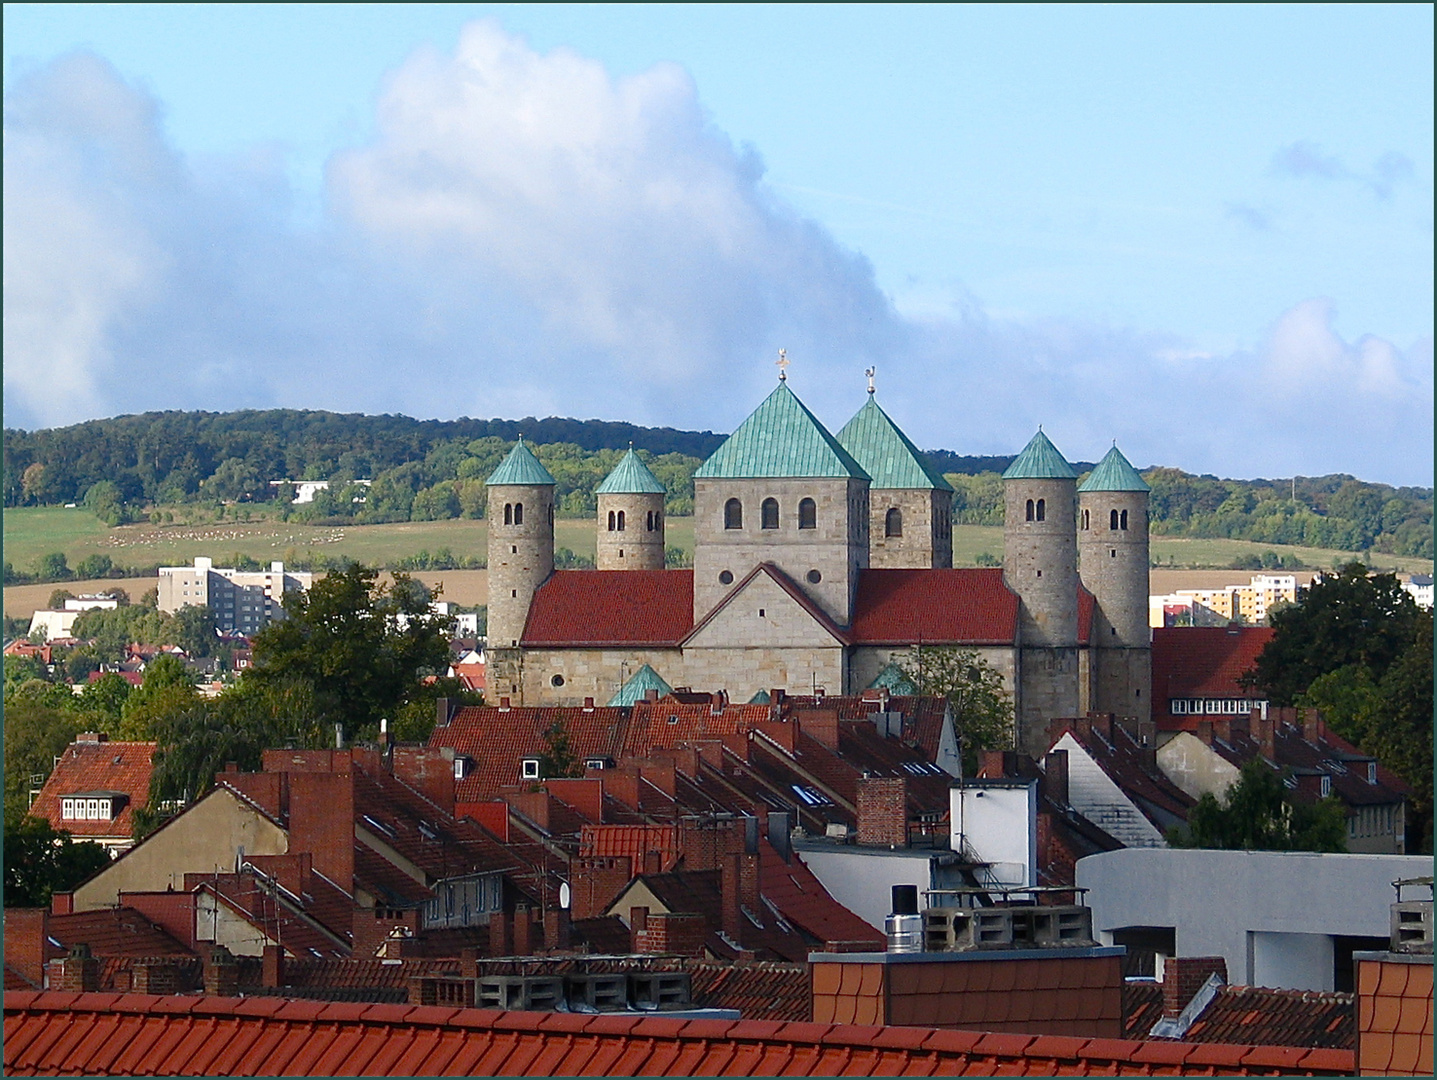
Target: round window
x,y
725,578
814,577
557,680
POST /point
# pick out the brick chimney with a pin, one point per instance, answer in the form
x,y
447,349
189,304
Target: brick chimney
x,y
1313,729
883,811
272,967
159,976
321,822
1055,776
990,764
1204,731
523,931
1263,734
729,896
501,937
79,972
670,934
556,929
821,725
1222,728
221,973
26,930
1184,976
638,924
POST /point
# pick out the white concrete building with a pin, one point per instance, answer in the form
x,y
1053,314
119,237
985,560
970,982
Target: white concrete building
x,y
240,600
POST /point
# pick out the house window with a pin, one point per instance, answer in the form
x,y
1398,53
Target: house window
x,y
621,521
1372,772
1042,513
893,522
1029,515
733,514
807,514
1326,785
1113,519
508,513
768,514
518,513
611,521
529,768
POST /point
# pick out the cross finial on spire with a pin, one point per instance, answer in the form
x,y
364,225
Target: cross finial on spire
x,y
870,372
782,363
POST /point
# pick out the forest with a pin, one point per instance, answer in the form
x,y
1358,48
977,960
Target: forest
x,y
130,468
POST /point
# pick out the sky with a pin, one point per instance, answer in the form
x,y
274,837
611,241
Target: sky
x,y
1203,232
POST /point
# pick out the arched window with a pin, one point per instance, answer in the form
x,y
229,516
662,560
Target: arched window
x,y
508,513
768,514
1113,519
611,521
807,514
1123,521
1085,519
649,521
1030,510
733,514
621,521
1042,510
893,522
518,513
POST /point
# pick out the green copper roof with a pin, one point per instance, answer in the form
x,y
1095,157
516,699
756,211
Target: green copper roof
x,y
520,467
893,680
630,477
638,687
1040,460
885,453
761,698
1114,474
781,438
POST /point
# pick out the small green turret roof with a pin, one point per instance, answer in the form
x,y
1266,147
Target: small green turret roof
x,y
893,680
638,687
877,444
1040,460
630,477
781,438
761,698
521,467
1114,473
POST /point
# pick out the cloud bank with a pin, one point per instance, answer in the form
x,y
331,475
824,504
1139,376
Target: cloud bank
x,y
526,234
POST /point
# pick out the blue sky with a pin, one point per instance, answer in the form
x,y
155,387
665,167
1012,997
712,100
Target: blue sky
x,y
1205,232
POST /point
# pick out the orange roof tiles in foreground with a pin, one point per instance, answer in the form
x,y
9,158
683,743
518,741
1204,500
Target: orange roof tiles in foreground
x,y
116,1034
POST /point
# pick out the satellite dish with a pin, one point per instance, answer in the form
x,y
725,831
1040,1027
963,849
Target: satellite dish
x,y
564,895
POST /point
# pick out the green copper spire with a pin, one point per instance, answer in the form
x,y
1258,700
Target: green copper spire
x,y
1114,474
885,453
1040,460
781,438
521,467
630,477
638,687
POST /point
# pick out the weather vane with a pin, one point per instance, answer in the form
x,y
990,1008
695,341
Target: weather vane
x,y
782,363
870,372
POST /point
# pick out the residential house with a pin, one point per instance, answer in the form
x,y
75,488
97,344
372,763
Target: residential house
x,y
95,788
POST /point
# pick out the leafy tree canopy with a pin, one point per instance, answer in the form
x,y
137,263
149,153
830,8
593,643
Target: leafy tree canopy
x,y
1257,813
982,707
40,861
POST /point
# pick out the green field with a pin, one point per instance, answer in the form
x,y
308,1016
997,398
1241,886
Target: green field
x,y
33,532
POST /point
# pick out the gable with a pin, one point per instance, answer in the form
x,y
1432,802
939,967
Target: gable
x,y
1092,793
760,613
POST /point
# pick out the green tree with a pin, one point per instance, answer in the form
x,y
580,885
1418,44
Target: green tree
x,y
58,598
1352,617
982,707
557,759
1257,814
37,731
95,566
53,567
106,697
40,861
343,637
166,693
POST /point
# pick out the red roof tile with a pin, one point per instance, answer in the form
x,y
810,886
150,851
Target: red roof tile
x,y
102,1034
938,607
115,932
1202,662
124,767
1251,1015
668,723
611,607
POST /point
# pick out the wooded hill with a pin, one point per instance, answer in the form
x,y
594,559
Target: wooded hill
x,y
423,470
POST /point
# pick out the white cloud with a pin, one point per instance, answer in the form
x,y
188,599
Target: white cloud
x,y
526,234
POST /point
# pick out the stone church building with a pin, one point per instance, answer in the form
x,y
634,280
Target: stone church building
x,y
819,561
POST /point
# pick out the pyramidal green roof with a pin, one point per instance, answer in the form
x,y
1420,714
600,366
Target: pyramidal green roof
x,y
1040,460
520,467
638,686
761,698
630,477
1114,474
781,438
885,453
893,680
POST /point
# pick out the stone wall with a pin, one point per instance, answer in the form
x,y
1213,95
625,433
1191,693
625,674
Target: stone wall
x,y
927,529
521,557
1040,560
636,540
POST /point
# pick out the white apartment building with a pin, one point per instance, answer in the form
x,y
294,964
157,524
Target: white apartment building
x,y
1420,586
1247,604
241,600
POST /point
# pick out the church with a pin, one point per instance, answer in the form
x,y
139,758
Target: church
x,y
820,561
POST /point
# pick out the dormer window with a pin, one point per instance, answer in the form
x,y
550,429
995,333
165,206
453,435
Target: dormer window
x,y
1372,772
529,768
462,767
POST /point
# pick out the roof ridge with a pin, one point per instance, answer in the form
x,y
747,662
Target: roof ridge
x,y
781,438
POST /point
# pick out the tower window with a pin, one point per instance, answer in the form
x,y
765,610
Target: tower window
x,y
768,514
1123,521
1113,519
611,521
814,577
556,681
649,521
893,522
1042,510
508,513
725,577
518,513
621,521
807,514
1029,515
1085,519
733,514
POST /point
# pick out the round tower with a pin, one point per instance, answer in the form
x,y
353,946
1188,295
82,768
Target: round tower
x,y
1113,561
1040,564
521,542
631,517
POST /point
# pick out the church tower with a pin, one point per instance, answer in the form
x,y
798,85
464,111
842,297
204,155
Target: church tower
x,y
1113,560
631,517
781,490
1040,564
910,504
521,550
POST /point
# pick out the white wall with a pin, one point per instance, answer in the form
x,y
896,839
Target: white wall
x,y
997,821
863,882
1095,796
1294,960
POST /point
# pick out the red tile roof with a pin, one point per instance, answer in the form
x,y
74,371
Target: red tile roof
x,y
98,766
1251,1014
113,1034
592,608
802,900
497,739
668,723
937,607
632,841
275,915
1202,662
114,932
